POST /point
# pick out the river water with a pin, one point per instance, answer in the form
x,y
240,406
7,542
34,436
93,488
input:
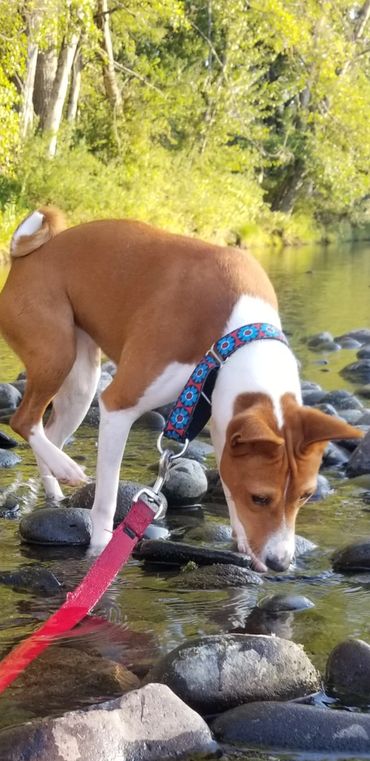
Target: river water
x,y
319,289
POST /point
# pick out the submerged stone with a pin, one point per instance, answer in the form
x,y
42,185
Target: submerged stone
x,y
359,462
294,727
357,372
84,498
8,459
214,673
217,576
10,397
32,579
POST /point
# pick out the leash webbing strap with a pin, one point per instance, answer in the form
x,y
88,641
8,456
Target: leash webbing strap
x,y
81,601
192,409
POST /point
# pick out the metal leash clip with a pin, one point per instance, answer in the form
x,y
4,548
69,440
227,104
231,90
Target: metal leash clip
x,y
153,493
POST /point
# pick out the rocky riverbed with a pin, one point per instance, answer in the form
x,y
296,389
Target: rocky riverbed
x,y
190,651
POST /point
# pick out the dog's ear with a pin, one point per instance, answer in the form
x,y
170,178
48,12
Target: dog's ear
x,y
315,426
248,433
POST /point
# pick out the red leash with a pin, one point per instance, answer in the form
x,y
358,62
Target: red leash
x,y
79,602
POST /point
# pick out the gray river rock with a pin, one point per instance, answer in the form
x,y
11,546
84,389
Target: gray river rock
x,y
148,724
57,525
218,672
179,553
348,672
290,726
186,483
359,461
352,557
8,459
217,576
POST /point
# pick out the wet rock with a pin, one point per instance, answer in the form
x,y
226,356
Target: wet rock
x,y
156,531
92,417
348,672
62,677
286,602
9,396
104,381
109,367
359,462
357,372
32,579
323,489
322,342
313,396
352,417
303,545
179,553
362,335
6,442
342,399
352,557
9,506
217,576
186,483
214,673
56,525
328,409
364,420
307,385
211,532
84,498
294,727
215,492
349,343
148,724
152,421
275,615
199,450
364,391
335,456
364,353
20,385
8,459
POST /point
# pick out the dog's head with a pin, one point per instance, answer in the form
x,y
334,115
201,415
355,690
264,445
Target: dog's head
x,y
271,470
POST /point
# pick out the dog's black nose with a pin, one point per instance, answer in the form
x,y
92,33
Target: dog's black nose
x,y
278,563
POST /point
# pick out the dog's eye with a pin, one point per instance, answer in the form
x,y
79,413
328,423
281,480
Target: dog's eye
x,y
259,499
305,496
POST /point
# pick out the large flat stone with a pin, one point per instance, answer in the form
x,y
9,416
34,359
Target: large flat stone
x,y
149,724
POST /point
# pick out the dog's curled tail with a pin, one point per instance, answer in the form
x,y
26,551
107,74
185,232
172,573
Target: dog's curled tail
x,y
36,230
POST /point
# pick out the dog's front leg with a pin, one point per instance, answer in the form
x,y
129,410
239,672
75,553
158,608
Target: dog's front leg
x,y
113,432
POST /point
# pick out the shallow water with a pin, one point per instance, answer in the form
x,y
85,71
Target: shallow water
x,y
319,289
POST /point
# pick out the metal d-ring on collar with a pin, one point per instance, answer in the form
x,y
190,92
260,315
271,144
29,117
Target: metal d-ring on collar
x,y
153,493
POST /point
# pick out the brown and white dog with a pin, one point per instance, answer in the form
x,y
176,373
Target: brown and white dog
x,y
154,303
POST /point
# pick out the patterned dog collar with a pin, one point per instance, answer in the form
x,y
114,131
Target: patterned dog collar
x,y
193,407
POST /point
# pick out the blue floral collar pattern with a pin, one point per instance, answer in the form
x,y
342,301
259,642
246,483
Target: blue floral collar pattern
x,y
192,409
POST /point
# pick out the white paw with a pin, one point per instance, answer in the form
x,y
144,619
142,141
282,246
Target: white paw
x,y
101,534
67,471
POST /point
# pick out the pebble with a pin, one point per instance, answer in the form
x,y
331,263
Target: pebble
x,y
214,673
84,498
6,442
147,724
361,335
294,727
9,396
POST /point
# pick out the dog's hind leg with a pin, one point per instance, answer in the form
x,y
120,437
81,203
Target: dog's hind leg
x,y
71,403
47,365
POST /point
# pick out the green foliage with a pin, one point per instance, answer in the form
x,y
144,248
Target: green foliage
x,y
240,121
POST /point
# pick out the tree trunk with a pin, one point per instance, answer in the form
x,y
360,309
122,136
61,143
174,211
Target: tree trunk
x,y
27,107
60,88
109,75
74,92
47,63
